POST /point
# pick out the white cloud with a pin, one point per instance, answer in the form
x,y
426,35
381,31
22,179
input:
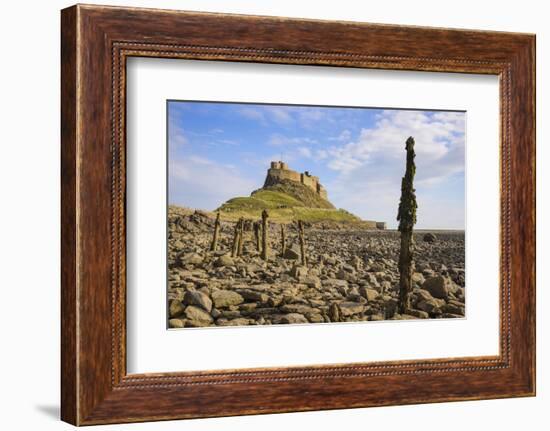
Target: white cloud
x,y
278,140
279,114
252,114
177,136
308,117
305,152
197,179
282,115
369,169
342,137
439,142
321,154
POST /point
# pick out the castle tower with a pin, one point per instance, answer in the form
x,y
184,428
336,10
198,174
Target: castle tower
x,y
279,171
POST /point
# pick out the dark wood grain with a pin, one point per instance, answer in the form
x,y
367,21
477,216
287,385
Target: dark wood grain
x,y
96,41
69,371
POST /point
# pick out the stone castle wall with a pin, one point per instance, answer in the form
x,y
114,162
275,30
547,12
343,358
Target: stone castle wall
x,y
280,171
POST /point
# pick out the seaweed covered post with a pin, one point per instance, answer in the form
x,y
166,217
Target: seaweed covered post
x,y
301,236
407,218
214,245
265,239
283,240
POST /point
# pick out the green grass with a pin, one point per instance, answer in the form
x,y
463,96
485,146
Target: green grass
x,y
302,194
286,202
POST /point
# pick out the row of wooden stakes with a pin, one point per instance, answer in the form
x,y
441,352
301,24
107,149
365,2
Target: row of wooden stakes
x,y
261,235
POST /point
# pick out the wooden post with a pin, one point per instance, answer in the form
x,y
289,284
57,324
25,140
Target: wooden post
x,y
234,249
302,242
214,245
283,240
265,239
257,230
407,218
241,238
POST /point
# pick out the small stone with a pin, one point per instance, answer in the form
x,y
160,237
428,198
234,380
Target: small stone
x,y
438,286
190,259
342,274
429,306
357,262
175,308
376,267
225,260
293,318
199,299
418,313
298,271
226,298
332,282
292,252
350,308
423,295
312,281
176,323
240,321
297,308
368,294
334,312
197,314
190,323
247,307
418,278
453,309
252,295
315,318
429,237
384,287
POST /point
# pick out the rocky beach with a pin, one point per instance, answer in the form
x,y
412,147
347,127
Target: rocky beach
x,y
351,274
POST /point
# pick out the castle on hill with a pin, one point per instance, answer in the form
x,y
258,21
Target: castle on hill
x,y
280,171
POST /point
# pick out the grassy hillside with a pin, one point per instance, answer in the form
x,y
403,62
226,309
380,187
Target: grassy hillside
x,y
286,201
307,197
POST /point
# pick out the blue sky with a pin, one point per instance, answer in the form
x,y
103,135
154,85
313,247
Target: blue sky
x,y
221,150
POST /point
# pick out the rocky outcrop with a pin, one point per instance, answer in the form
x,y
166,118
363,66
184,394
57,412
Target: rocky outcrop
x,y
351,276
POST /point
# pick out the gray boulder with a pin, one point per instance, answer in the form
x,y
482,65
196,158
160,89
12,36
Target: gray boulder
x,y
199,299
292,252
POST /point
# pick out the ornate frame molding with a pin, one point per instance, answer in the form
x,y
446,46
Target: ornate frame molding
x,y
96,41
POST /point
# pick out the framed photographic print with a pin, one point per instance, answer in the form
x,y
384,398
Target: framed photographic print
x,y
322,214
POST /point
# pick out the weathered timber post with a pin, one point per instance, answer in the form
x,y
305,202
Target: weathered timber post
x,y
214,245
234,249
407,218
283,240
302,242
257,230
241,238
265,239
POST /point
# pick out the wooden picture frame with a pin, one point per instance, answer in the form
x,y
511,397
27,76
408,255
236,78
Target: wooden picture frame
x,y
95,43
